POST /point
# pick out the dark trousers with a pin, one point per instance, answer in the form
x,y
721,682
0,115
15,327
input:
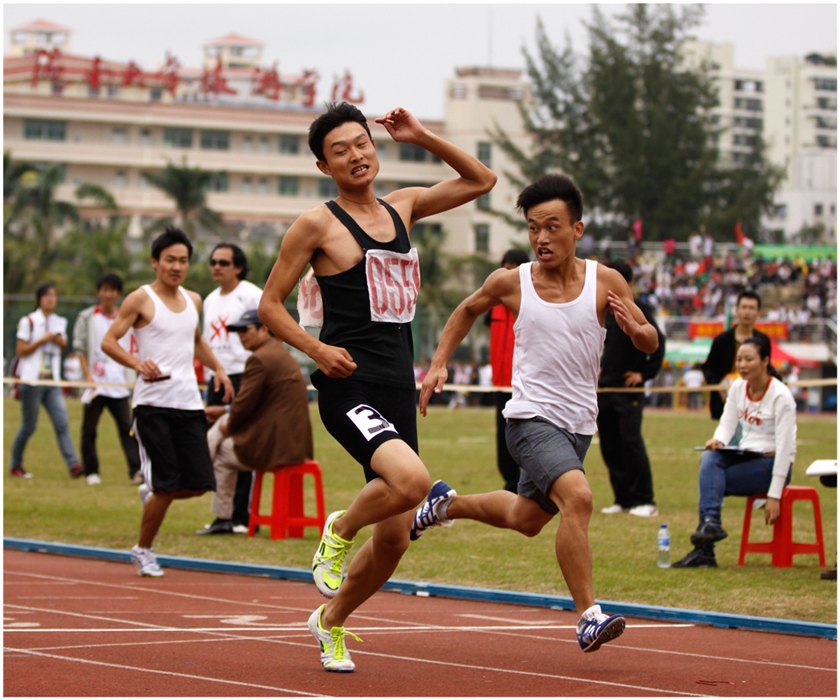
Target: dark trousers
x,y
508,467
623,449
121,411
244,480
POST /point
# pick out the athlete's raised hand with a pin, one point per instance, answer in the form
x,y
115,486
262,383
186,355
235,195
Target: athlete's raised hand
x,y
402,125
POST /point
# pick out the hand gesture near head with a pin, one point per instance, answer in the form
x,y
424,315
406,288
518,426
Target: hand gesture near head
x,y
402,125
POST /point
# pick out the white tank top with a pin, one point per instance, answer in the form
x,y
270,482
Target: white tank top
x,y
169,340
557,356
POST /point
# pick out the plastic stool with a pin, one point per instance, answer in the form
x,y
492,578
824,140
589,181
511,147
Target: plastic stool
x,y
287,518
782,546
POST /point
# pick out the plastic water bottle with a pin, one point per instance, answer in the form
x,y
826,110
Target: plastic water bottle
x,y
663,544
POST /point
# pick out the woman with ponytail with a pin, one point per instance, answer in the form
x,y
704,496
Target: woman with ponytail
x,y
751,452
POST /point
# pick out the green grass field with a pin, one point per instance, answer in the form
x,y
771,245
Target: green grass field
x,y
458,446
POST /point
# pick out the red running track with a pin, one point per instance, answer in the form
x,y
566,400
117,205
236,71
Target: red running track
x,y
81,627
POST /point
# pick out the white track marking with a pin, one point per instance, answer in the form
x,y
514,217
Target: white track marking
x,y
126,667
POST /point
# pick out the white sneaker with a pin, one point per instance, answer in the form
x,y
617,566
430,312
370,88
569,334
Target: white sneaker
x,y
145,493
614,508
93,479
646,511
240,529
145,562
334,654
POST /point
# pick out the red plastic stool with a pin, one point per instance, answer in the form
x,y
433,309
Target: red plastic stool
x,y
782,546
287,518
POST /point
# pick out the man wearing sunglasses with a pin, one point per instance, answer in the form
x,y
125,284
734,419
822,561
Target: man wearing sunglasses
x,y
224,305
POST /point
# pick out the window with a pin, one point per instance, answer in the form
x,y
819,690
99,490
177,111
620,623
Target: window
x,y
113,91
174,137
288,186
155,94
482,238
263,144
218,183
748,104
145,137
829,84
120,179
483,152
327,188
818,209
93,92
119,136
215,140
263,186
412,152
248,144
483,202
247,188
44,130
289,143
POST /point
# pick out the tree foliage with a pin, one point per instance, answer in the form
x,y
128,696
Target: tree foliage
x,y
633,126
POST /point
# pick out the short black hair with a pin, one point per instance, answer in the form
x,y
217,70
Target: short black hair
x,y
171,235
550,187
43,290
337,113
110,279
517,256
748,294
623,267
239,259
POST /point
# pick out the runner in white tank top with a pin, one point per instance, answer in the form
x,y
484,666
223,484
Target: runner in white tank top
x,y
169,421
560,303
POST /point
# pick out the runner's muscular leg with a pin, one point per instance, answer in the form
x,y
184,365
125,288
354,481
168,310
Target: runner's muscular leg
x,y
501,509
403,483
372,566
571,493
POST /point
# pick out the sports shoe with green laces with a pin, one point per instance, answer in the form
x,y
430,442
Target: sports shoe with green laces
x,y
334,654
329,561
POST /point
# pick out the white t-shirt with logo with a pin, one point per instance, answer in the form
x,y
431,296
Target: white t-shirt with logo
x,y
45,362
220,310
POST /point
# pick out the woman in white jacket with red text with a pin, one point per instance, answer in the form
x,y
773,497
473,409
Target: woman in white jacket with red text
x,y
751,452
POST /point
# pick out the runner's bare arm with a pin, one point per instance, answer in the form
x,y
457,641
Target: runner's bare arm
x,y
495,290
475,178
629,316
127,316
298,247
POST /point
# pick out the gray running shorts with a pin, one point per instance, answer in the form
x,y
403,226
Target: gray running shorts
x,y
545,452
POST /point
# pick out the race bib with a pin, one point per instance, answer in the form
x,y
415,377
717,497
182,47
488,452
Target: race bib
x,y
310,305
393,281
369,421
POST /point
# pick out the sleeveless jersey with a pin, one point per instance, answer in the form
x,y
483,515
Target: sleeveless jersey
x,y
556,356
169,340
367,310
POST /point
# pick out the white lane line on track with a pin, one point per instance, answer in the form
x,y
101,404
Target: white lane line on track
x,y
125,667
149,588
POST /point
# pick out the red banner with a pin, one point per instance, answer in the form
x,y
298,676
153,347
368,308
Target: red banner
x,y
778,330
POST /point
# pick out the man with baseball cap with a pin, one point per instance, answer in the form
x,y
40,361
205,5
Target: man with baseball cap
x,y
266,424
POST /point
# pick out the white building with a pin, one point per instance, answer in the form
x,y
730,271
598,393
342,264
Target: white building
x,y
107,123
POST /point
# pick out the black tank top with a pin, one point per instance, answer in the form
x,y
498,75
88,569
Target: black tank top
x,y
383,352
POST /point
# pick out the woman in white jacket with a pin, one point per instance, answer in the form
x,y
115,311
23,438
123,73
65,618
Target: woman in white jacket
x,y
751,452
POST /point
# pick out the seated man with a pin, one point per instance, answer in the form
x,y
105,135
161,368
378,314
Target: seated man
x,y
266,424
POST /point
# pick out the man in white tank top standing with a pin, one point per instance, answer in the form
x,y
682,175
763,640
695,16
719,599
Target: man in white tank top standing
x,y
169,421
560,303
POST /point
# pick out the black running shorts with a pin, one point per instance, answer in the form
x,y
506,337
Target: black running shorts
x,y
173,442
361,416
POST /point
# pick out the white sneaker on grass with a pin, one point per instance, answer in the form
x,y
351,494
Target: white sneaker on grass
x,y
646,511
93,479
614,508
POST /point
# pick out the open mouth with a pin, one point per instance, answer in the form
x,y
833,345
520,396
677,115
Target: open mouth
x,y
359,169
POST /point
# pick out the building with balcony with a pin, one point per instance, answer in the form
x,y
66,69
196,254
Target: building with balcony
x,y
108,123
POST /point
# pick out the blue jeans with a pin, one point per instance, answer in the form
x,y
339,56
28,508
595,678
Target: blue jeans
x,y
726,474
31,398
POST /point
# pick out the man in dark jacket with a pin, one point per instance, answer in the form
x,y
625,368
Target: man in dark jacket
x,y
721,360
620,414
266,424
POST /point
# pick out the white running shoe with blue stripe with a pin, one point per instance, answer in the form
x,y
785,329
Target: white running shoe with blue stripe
x,y
428,514
595,628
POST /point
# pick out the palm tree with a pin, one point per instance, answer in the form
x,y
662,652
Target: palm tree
x,y
188,188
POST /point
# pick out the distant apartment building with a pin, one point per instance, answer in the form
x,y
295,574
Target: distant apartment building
x,y
792,106
240,118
